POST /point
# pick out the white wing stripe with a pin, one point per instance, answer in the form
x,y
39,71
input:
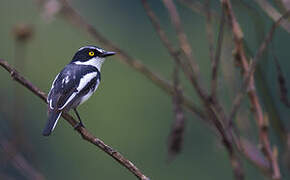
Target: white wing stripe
x,y
52,86
69,99
83,82
50,104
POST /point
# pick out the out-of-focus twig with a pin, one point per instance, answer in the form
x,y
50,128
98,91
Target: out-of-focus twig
x,y
212,105
176,136
281,82
19,162
197,7
257,109
266,42
22,34
273,13
216,61
209,29
186,48
211,111
82,131
251,69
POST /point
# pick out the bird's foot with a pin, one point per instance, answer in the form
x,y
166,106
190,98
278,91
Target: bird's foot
x,y
80,124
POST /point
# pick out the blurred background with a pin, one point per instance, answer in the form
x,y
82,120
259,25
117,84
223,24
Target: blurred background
x,y
128,112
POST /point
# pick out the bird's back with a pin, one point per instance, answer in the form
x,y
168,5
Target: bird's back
x,y
68,84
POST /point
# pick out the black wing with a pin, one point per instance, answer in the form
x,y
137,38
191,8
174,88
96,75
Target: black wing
x,y
68,84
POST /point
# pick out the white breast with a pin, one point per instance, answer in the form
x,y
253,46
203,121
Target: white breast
x,y
90,93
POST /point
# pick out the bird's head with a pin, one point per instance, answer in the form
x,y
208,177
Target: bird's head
x,y
91,55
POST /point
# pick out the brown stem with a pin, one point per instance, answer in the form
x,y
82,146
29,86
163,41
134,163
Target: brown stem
x,y
209,30
82,131
216,61
176,136
213,112
186,48
19,162
257,109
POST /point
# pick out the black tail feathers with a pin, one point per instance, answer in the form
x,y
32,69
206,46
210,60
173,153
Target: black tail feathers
x,y
51,122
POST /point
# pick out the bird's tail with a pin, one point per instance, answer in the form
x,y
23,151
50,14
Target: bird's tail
x,y
53,117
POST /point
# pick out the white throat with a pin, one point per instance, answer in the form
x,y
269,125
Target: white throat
x,y
96,62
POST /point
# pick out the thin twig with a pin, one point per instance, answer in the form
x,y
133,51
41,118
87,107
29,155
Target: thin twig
x,y
272,13
257,57
258,113
212,112
281,82
266,42
176,136
216,61
197,7
82,131
19,162
23,34
165,40
209,29
194,73
186,48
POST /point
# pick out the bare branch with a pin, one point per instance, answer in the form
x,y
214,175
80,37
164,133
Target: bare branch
x,y
215,111
19,162
273,13
165,40
82,131
186,48
257,57
197,7
281,82
266,42
216,61
209,30
175,140
258,113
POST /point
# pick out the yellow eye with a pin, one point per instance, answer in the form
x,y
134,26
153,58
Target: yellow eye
x,y
91,53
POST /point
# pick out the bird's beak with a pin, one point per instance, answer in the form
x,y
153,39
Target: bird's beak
x,y
108,53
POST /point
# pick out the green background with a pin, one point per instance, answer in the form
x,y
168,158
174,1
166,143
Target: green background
x,y
127,112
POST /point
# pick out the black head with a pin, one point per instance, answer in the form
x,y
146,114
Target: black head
x,y
88,52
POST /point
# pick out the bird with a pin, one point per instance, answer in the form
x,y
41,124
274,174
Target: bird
x,y
75,84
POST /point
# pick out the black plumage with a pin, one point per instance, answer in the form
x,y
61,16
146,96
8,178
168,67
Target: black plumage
x,y
61,90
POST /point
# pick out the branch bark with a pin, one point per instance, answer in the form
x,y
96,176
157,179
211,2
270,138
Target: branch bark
x,y
241,58
19,162
213,112
86,135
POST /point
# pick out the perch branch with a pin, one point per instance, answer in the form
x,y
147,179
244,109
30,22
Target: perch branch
x,y
86,135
